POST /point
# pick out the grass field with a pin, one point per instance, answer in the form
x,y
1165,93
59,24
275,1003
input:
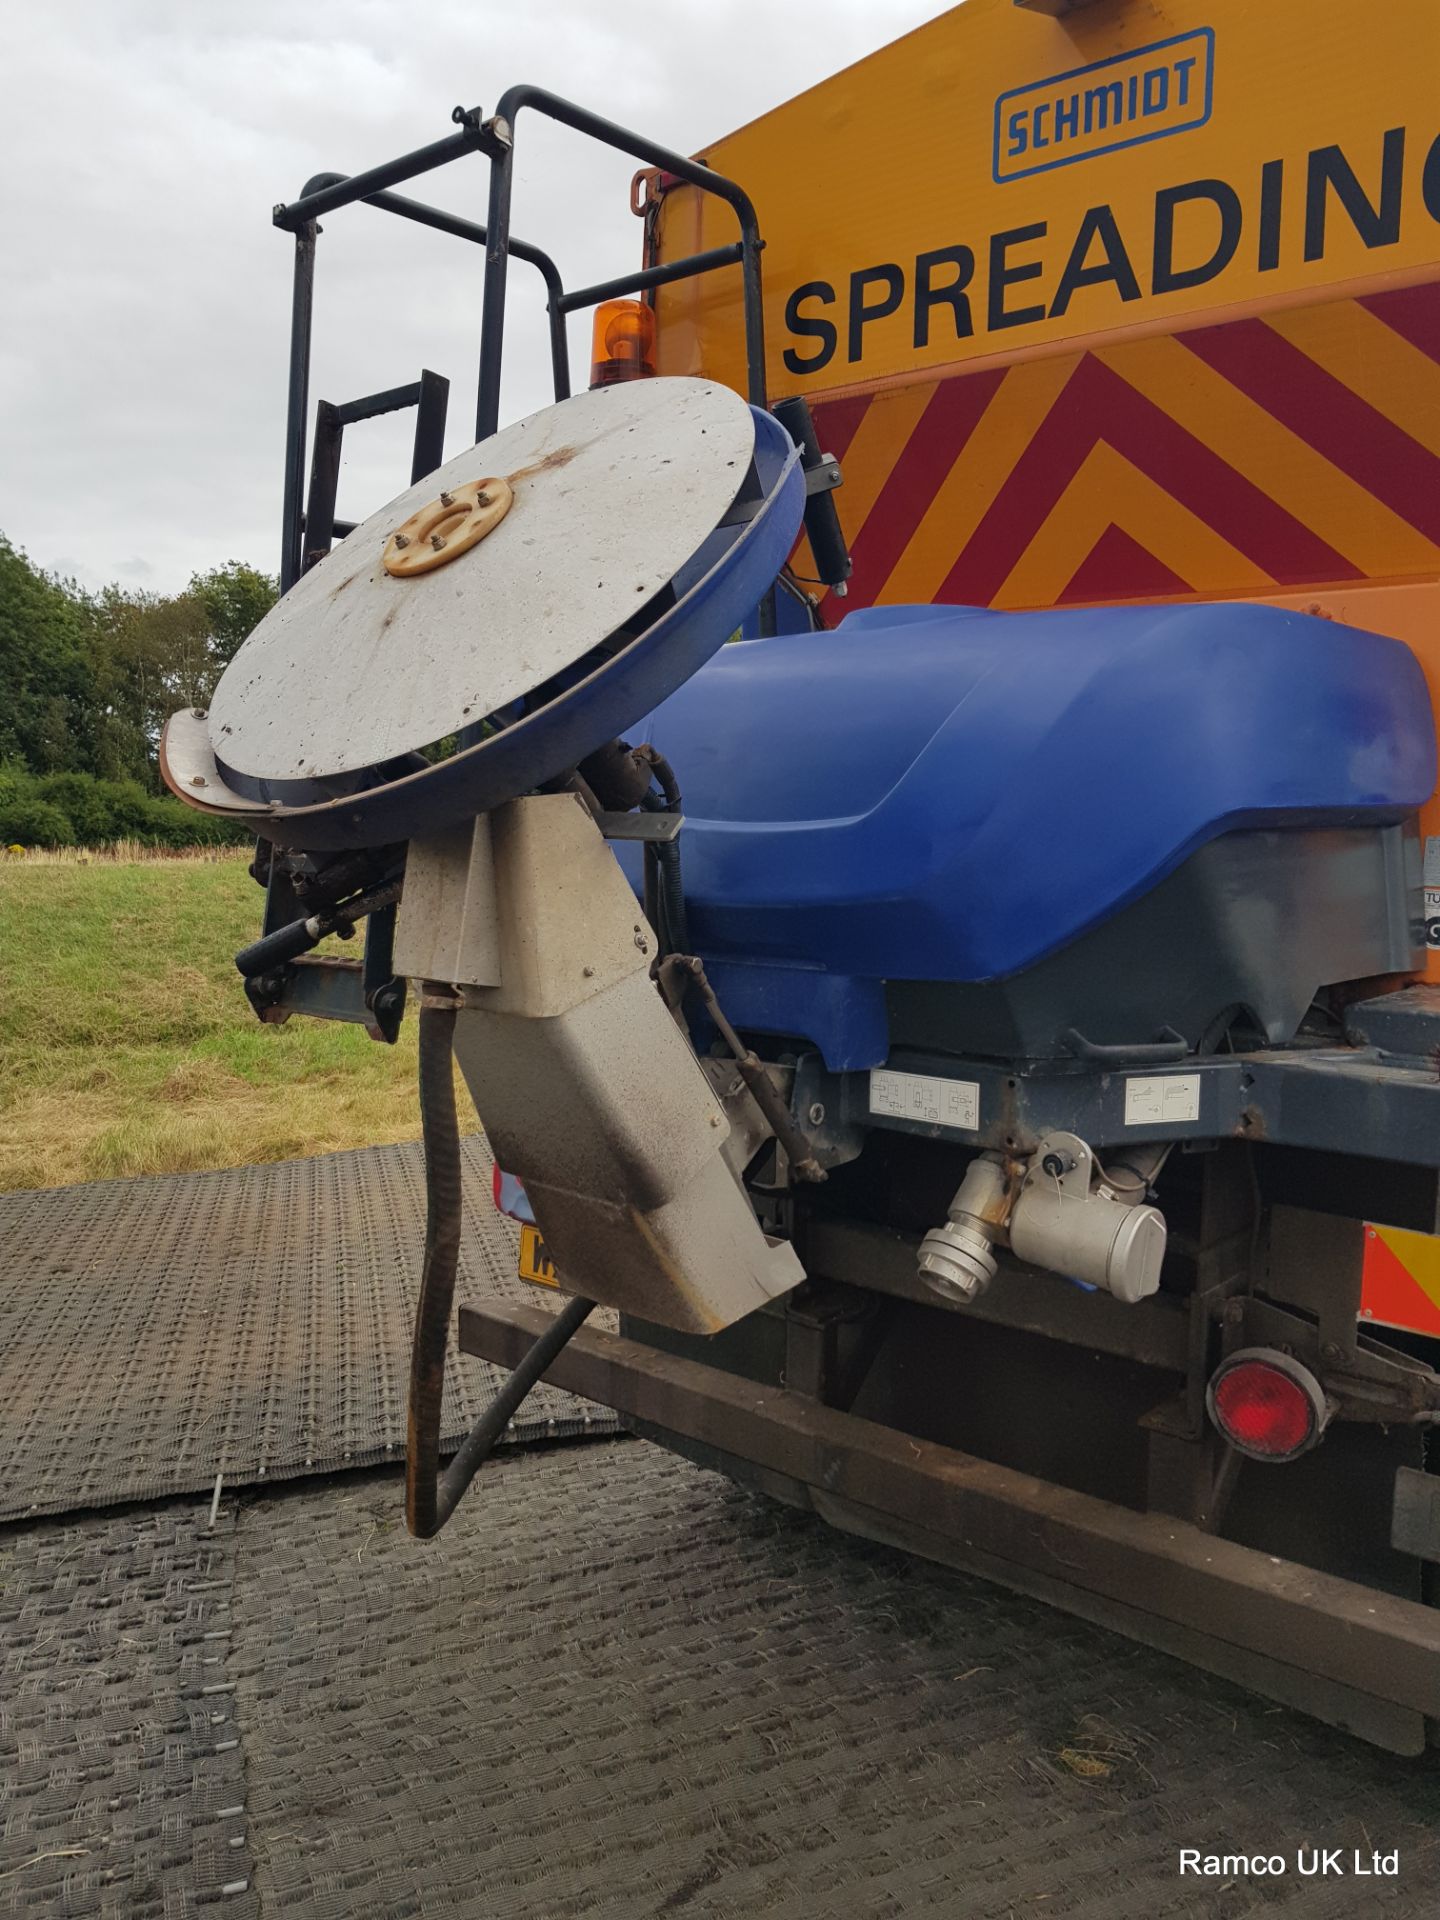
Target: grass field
x,y
127,1045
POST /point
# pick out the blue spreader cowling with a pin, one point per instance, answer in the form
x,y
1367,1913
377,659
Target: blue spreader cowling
x,y
946,794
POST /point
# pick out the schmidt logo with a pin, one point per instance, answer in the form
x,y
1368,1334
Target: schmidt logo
x,y
1165,88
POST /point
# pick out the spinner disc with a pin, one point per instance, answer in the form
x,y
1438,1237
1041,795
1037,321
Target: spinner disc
x,y
604,548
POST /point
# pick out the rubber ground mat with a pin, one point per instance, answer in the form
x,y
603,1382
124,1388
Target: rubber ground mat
x,y
122,1783
253,1322
619,1687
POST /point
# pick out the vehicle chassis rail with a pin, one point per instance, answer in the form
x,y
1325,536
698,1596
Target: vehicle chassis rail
x,y
1357,1657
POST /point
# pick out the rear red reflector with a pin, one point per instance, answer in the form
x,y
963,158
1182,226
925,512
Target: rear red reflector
x,y
1267,1405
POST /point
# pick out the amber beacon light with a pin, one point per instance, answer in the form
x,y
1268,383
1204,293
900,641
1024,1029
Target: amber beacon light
x,y
622,342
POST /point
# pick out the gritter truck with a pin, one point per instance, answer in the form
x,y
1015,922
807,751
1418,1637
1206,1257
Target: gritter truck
x,y
911,801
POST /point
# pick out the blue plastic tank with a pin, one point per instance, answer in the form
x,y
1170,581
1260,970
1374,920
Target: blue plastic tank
x,y
951,794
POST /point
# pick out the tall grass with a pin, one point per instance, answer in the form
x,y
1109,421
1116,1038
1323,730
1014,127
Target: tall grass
x,y
125,853
127,1045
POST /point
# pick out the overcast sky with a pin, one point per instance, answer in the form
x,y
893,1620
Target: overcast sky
x,y
145,311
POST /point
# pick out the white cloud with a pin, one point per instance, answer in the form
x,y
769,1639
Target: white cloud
x,y
144,324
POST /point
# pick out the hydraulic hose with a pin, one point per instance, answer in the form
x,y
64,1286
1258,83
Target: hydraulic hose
x,y
430,1496
673,933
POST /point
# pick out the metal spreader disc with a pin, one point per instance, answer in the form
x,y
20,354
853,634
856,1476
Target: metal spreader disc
x,y
598,554
614,490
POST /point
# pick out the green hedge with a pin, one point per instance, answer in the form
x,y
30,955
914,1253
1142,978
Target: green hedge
x,y
76,809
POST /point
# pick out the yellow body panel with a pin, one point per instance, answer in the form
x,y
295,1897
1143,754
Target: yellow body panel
x,y
895,159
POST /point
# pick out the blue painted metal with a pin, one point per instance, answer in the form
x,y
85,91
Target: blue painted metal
x,y
843,1014
792,615
944,793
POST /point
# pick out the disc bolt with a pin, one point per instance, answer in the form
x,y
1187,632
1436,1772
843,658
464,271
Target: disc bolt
x,y
437,541
402,539
447,499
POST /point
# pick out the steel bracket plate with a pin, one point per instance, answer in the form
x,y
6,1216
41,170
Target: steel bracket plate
x,y
1415,1521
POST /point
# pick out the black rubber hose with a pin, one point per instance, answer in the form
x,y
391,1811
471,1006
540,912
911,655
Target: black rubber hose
x,y
475,1448
674,935
1219,1027
440,1130
822,523
430,1497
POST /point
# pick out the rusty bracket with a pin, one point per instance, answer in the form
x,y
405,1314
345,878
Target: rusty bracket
x,y
1364,1381
682,972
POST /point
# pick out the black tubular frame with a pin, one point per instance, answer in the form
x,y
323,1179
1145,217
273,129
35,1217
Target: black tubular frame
x,y
429,395
495,139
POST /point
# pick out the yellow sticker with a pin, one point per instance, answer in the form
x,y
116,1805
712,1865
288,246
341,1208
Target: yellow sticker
x,y
535,1264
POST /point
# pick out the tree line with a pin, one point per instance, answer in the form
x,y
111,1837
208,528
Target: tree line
x,y
88,680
